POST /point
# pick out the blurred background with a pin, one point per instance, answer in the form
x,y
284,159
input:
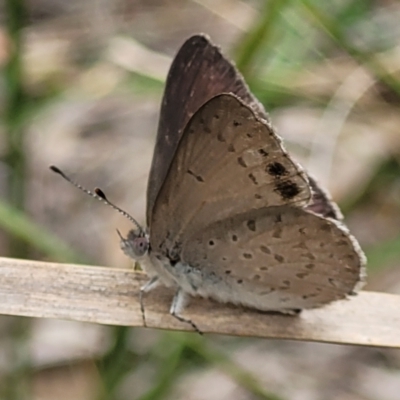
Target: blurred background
x,y
80,87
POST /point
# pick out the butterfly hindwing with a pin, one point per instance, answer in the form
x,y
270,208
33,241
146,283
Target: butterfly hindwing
x,y
276,258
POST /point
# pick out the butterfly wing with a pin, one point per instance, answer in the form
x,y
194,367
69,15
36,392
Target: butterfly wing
x,y
276,258
229,161
321,202
198,73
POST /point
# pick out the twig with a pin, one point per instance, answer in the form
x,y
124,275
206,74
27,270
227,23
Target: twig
x,y
110,296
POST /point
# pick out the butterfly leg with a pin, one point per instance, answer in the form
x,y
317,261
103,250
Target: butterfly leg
x,y
178,304
150,285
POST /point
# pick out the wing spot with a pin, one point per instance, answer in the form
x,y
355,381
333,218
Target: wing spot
x,y
241,162
265,249
253,179
236,123
216,116
228,272
256,277
332,282
234,238
310,266
211,243
302,275
263,152
249,135
251,224
198,177
231,149
287,189
220,137
279,258
276,169
239,281
247,256
258,196
263,268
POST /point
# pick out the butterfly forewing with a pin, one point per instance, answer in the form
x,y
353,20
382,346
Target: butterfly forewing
x,y
229,161
198,73
276,258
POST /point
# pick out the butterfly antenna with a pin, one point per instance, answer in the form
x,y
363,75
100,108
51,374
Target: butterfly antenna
x,y
97,194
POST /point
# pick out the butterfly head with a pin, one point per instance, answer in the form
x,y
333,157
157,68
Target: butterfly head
x,y
136,244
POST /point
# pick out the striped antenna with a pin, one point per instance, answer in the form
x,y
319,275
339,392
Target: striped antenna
x,y
99,195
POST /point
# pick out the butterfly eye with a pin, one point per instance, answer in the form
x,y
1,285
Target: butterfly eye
x,y
136,245
141,246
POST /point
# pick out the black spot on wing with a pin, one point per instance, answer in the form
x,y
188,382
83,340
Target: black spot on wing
x,y
263,153
241,162
251,224
287,189
265,249
276,169
198,177
253,179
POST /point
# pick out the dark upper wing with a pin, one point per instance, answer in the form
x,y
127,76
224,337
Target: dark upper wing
x,y
198,73
321,202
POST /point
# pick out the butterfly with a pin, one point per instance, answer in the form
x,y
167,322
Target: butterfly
x,y
230,215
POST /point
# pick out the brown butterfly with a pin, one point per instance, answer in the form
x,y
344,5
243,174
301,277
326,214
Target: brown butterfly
x,y
230,215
